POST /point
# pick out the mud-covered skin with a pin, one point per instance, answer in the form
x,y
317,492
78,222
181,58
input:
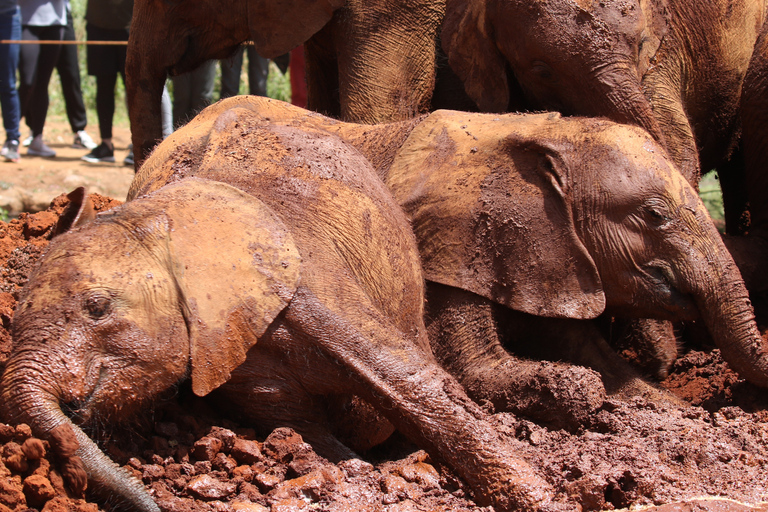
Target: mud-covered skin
x,y
676,68
591,250
270,265
367,61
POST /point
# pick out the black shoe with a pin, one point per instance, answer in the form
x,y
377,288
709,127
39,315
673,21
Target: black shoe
x,y
129,159
102,153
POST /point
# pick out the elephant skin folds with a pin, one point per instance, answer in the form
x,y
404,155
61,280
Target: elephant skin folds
x,y
631,453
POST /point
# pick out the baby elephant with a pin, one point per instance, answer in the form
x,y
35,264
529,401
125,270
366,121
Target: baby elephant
x,y
531,226
273,269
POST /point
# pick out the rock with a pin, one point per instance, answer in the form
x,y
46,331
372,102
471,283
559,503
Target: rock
x,y
33,449
246,452
38,490
208,488
206,448
241,506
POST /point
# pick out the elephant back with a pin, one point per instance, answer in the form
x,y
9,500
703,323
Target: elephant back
x,y
341,215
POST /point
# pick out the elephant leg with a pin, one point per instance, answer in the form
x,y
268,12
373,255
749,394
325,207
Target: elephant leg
x,y
465,339
653,343
322,71
581,342
265,389
426,404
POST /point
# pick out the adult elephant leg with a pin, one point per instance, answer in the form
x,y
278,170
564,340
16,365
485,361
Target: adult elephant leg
x,y
387,52
420,399
322,71
465,339
751,254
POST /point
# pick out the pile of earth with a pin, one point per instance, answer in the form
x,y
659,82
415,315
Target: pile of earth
x,y
193,458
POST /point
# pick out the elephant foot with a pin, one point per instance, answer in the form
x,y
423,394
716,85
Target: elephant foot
x,y
560,394
650,344
357,423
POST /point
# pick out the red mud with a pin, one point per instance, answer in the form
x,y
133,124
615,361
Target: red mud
x,y
194,459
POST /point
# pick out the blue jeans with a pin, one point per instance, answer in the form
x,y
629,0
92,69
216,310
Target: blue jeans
x,y
10,28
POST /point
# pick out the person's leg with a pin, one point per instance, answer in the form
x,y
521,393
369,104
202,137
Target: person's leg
x,y
182,98
37,105
167,112
105,110
202,86
230,74
69,74
10,28
28,57
258,70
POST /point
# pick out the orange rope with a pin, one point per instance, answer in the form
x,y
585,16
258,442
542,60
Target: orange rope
x,y
27,41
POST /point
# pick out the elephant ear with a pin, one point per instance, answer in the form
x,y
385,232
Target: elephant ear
x,y
491,210
467,40
78,212
278,27
236,268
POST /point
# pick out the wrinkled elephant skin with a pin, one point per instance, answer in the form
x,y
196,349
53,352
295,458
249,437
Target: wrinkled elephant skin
x,y
266,264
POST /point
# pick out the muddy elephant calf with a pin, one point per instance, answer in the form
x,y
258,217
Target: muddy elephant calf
x,y
269,266
529,227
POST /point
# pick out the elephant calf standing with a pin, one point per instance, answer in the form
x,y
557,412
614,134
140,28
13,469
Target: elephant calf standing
x,y
268,265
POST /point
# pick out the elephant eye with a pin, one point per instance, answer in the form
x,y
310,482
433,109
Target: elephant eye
x,y
543,71
97,306
657,213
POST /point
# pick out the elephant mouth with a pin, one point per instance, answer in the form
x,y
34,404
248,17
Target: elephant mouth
x,y
677,304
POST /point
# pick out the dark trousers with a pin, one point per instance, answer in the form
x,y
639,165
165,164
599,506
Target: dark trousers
x,y
106,63
258,69
69,74
36,64
10,28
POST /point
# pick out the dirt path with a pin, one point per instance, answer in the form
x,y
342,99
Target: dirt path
x,y
31,184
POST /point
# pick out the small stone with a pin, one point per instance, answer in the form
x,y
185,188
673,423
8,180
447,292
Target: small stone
x,y
152,472
206,448
208,488
421,473
355,467
38,490
33,449
242,506
289,505
226,436
246,452
268,481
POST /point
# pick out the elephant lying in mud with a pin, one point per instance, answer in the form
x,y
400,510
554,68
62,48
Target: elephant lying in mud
x,y
274,270
538,223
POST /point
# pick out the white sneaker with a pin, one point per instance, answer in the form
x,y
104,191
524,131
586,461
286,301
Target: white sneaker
x,y
39,148
26,142
83,141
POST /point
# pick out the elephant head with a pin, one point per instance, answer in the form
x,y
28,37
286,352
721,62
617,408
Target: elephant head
x,y
177,36
608,59
570,217
129,305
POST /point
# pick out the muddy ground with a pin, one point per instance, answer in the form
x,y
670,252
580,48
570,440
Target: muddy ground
x,y
194,458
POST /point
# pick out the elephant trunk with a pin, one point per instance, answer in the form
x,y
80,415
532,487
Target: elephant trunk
x,y
33,403
724,304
